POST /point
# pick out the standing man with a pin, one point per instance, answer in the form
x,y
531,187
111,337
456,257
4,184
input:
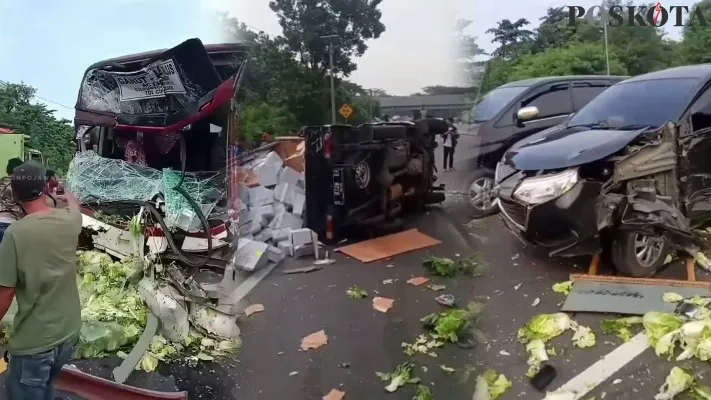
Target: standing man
x,y
450,143
38,266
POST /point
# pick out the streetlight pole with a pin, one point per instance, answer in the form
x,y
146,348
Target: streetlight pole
x,y
330,39
607,53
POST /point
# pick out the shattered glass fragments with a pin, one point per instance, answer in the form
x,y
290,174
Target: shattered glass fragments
x,y
97,179
202,187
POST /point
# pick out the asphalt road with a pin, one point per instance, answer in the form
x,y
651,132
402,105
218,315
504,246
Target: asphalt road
x,y
363,341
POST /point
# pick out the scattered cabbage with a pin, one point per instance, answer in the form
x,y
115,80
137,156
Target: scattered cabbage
x,y
563,287
663,331
423,393
539,331
672,297
583,336
403,375
677,382
621,326
491,385
544,327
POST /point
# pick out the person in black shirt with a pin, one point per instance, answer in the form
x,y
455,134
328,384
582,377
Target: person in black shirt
x,y
450,143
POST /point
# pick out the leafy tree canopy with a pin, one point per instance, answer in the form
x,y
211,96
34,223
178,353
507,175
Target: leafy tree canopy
x,y
53,137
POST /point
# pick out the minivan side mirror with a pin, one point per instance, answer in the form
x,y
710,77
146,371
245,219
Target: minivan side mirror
x,y
526,114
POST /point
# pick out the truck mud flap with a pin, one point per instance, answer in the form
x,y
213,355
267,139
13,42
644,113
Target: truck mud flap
x,y
91,387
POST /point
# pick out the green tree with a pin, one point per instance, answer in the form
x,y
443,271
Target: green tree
x,y
576,59
53,137
512,38
305,22
261,117
695,47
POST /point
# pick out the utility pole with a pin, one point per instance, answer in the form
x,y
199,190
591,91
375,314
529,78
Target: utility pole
x,y
604,28
330,39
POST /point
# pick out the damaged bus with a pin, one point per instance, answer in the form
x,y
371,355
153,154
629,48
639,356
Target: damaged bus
x,y
628,174
152,133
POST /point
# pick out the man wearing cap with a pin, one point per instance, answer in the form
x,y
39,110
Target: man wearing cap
x,y
38,266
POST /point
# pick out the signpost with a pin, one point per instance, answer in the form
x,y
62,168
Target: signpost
x,y
346,111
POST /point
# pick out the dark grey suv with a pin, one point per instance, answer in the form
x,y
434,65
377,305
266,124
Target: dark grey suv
x,y
517,110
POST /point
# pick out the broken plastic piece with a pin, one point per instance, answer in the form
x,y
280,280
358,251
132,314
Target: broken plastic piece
x,y
445,300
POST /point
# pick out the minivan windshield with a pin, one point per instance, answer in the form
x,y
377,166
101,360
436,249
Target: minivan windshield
x,y
494,101
637,104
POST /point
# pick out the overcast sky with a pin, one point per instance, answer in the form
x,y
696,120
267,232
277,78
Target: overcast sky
x,y
416,50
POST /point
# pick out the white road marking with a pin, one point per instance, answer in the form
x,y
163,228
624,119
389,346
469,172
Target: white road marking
x,y
602,370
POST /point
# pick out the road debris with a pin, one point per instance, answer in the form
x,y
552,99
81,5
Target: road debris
x,y
621,327
388,246
447,370
418,281
517,287
423,393
448,268
423,345
303,270
292,373
253,309
335,394
671,297
382,304
563,287
389,281
491,385
446,300
536,302
402,375
354,292
455,325
504,353
314,340
537,332
583,336
436,288
680,381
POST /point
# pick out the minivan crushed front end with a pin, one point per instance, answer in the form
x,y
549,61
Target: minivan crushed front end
x,y
620,188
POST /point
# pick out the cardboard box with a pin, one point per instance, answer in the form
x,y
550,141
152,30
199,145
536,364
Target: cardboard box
x,y
267,171
298,203
280,234
290,176
302,236
260,196
286,220
251,256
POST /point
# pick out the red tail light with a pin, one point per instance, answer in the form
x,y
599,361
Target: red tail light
x,y
327,145
329,227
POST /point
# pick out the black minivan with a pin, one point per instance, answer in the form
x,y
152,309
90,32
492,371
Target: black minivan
x,y
517,110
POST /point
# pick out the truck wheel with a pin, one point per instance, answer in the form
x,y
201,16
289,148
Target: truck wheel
x,y
480,193
638,256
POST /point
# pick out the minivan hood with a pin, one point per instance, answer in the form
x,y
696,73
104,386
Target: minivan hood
x,y
562,147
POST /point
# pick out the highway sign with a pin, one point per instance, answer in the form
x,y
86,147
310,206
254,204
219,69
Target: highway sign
x,y
346,111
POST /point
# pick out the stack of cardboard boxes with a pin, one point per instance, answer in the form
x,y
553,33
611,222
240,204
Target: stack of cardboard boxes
x,y
272,201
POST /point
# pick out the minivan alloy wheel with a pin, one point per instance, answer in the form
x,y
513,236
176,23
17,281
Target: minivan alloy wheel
x,y
481,193
648,249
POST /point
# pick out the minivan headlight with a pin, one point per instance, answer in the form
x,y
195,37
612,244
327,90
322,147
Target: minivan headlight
x,y
541,189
